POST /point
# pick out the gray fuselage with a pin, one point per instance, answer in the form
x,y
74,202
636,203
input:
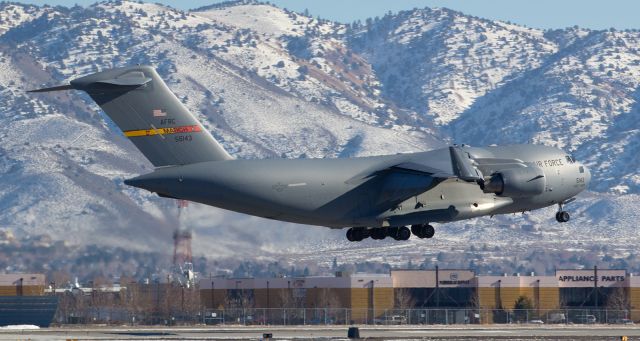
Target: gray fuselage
x,y
415,189
347,192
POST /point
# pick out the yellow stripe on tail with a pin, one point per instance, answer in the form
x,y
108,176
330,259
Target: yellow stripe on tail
x,y
163,131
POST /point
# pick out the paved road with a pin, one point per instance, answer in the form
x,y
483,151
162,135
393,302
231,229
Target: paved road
x,y
330,333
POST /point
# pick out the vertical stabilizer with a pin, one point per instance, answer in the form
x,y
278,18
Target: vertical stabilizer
x,y
150,115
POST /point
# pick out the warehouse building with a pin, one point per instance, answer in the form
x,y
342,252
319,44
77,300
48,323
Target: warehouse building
x,y
22,284
365,295
23,300
471,298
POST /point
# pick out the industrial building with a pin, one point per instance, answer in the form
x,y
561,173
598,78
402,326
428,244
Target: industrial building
x,y
22,284
474,298
23,300
369,292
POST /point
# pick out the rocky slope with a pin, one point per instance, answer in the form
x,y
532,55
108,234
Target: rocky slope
x,y
271,83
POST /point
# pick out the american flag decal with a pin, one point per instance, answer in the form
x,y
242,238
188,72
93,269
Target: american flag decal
x,y
159,113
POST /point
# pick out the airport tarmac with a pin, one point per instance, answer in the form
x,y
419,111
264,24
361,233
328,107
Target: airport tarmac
x,y
492,332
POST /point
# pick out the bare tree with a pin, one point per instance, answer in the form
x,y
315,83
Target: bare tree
x,y
618,300
136,299
563,302
286,299
327,299
60,278
404,299
474,303
247,300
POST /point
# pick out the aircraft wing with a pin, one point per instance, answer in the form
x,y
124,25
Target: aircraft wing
x,y
454,164
423,169
398,181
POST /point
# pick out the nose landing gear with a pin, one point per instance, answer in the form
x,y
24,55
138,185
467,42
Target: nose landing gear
x,y
563,216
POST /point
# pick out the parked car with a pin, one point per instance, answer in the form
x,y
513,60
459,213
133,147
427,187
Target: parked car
x,y
623,321
536,322
557,318
391,320
585,319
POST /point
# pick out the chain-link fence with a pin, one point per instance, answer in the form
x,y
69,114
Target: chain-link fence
x,y
343,316
333,316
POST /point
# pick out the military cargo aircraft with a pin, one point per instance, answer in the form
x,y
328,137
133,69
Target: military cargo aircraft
x,y
377,197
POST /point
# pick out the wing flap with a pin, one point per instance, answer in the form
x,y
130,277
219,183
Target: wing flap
x,y
424,169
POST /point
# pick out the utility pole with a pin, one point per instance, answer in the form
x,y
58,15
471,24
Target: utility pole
x,y
437,287
537,296
499,295
373,300
595,283
213,292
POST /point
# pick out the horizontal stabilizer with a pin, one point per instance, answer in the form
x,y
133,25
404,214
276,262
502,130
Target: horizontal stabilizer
x,y
54,88
129,79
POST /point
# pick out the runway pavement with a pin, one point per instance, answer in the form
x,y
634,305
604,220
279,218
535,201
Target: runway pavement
x,y
490,332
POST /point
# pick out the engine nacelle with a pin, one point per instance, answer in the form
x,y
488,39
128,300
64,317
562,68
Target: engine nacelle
x,y
517,182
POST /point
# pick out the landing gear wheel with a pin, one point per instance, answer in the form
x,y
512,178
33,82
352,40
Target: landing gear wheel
x,y
423,230
416,230
356,234
403,233
392,232
428,231
351,235
563,216
378,233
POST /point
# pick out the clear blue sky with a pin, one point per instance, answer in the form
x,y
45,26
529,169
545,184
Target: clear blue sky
x,y
596,14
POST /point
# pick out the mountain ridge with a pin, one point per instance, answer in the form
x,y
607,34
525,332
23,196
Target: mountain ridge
x,y
273,83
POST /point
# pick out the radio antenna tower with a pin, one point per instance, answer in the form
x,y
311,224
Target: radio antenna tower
x,y
181,239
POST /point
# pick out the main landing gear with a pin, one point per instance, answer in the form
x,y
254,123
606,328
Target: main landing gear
x,y
423,230
562,216
356,234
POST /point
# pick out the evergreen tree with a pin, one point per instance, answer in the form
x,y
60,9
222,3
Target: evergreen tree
x,y
523,309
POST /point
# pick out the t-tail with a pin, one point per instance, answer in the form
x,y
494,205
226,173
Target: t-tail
x,y
149,114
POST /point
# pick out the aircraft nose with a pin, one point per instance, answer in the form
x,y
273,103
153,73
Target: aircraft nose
x,y
587,175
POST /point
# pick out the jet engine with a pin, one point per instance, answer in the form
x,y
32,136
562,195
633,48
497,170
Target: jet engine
x,y
516,182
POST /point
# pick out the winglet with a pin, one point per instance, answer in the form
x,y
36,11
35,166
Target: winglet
x,y
54,88
461,165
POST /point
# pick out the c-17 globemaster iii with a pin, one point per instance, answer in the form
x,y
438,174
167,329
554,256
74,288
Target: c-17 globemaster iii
x,y
379,196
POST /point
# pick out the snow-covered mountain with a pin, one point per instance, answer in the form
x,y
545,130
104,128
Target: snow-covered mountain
x,y
438,62
272,83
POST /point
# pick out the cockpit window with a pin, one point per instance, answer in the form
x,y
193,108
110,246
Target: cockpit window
x,y
570,159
